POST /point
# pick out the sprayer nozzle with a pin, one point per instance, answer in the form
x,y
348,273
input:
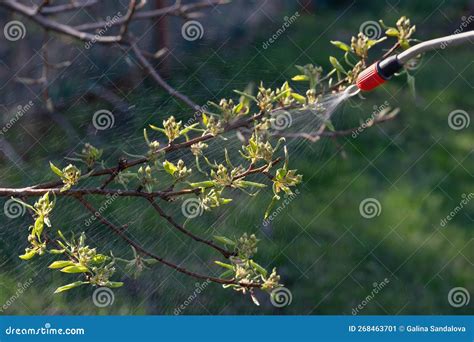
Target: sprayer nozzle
x,y
378,73
370,78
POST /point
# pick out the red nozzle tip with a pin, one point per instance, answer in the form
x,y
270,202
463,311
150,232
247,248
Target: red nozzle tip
x,y
370,78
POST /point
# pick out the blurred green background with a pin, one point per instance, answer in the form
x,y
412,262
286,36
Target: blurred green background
x,y
329,256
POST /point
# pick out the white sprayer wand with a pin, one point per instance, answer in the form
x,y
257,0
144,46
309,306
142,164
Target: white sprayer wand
x,y
383,70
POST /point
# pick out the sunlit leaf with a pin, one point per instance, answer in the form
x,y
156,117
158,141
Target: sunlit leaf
x,y
75,269
61,264
341,45
70,286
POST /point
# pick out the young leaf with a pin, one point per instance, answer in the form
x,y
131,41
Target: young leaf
x,y
335,63
114,284
226,274
61,264
341,45
56,251
224,240
70,286
38,228
157,129
75,269
222,264
169,167
247,96
258,268
299,98
392,32
205,184
252,184
28,255
373,42
188,128
299,78
56,170
270,206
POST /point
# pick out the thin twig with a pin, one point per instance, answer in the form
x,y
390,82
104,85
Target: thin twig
x,y
154,74
175,224
128,17
119,232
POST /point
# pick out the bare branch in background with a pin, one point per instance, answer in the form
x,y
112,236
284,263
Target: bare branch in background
x,y
78,32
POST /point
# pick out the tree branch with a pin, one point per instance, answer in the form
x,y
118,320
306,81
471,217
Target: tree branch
x,y
168,218
158,79
119,232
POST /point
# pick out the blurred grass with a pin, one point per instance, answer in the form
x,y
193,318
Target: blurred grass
x,y
328,255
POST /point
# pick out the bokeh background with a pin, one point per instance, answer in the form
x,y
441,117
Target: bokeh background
x,y
417,167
